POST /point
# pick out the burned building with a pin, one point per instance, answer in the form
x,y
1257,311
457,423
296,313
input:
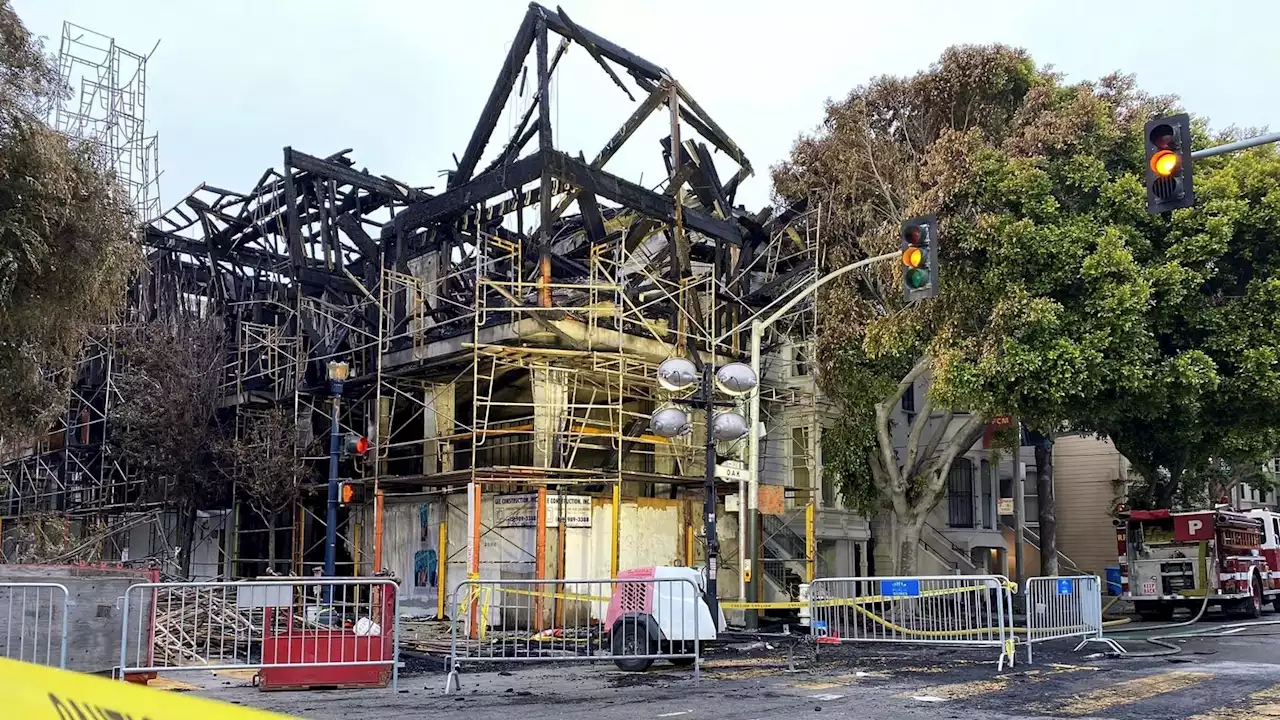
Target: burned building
x,y
501,337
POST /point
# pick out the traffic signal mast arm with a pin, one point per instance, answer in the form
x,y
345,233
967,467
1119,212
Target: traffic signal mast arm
x,y
1237,145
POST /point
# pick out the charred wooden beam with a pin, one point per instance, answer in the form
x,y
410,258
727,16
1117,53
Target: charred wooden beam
x,y
497,99
347,175
545,142
707,167
592,220
520,137
580,37
629,127
350,225
456,200
627,59
293,231
638,198
246,257
712,131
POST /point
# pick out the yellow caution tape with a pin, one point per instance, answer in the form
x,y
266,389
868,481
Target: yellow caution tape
x,y
35,692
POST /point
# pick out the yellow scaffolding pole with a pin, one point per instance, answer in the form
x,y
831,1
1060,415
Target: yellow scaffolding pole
x,y
613,537
810,544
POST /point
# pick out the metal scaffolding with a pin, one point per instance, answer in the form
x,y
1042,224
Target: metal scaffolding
x,y
108,107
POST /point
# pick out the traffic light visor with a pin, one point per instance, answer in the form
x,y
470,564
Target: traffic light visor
x,y
1164,163
913,257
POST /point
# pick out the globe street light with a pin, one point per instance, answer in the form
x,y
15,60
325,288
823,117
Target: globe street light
x,y
677,375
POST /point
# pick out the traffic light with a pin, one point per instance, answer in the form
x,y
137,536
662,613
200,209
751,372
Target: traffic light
x,y
919,246
1168,142
351,493
355,446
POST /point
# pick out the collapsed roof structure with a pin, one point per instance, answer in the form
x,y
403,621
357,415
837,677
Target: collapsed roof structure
x,y
502,333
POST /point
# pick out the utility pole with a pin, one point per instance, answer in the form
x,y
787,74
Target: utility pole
x,y
1019,520
679,375
709,497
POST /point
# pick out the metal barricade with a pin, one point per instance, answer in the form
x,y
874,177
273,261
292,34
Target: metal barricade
x,y
1064,607
35,622
631,621
278,626
964,610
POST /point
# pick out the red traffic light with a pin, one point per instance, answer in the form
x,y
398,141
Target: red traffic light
x,y
355,445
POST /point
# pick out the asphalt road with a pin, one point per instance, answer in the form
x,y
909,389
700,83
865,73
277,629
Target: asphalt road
x,y
1229,678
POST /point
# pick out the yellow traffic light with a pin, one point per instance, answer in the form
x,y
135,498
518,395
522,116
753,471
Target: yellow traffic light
x,y
913,257
1164,163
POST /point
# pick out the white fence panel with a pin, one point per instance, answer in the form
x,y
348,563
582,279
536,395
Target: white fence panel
x,y
630,621
964,610
35,622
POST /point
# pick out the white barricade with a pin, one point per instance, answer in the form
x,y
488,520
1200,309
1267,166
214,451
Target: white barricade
x,y
35,622
963,610
286,623
630,621
1064,607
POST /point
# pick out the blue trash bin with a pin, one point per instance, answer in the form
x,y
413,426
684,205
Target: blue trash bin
x,y
1113,581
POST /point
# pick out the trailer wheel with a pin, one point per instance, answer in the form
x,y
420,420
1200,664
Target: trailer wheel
x,y
632,638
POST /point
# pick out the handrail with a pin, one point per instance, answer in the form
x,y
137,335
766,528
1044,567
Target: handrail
x,y
1034,537
955,549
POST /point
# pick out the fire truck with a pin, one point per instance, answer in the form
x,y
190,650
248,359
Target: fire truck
x,y
1173,559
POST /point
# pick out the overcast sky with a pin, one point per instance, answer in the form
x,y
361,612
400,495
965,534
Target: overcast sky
x,y
403,81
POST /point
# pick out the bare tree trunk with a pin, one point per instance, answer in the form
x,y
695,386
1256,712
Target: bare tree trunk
x,y
909,547
1048,506
271,543
187,536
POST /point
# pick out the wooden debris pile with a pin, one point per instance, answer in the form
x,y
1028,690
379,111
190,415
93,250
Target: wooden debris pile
x,y
201,628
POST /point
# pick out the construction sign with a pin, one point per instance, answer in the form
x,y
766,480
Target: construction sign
x,y
36,692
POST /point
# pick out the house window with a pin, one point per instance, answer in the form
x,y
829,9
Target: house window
x,y
960,494
800,473
800,364
909,403
988,502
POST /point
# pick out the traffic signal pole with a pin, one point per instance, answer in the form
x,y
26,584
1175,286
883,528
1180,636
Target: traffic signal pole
x,y
331,516
758,326
1237,145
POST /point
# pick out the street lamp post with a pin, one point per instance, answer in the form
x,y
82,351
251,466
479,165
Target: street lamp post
x,y
678,374
338,372
752,504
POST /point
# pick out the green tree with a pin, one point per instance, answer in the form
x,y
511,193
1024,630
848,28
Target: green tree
x,y
66,242
1058,289
1214,272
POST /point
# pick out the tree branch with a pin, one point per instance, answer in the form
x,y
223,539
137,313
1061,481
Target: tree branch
x,y
961,441
938,436
917,429
884,409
